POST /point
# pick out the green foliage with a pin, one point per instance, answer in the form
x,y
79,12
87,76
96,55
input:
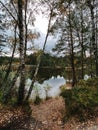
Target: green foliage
x,y
2,74
5,95
12,101
82,101
1,96
47,60
4,60
92,82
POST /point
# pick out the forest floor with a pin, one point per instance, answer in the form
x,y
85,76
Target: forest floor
x,y
48,115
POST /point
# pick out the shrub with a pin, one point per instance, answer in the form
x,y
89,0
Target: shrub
x,y
81,101
92,82
5,95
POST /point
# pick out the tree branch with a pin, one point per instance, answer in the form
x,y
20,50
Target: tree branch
x,y
8,11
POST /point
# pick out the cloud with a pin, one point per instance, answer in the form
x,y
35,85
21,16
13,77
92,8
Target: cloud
x,y
51,41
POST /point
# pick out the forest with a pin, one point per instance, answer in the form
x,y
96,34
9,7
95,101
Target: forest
x,y
49,77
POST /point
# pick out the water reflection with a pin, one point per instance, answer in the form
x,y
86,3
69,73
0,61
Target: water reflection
x,y
50,76
55,81
48,73
50,87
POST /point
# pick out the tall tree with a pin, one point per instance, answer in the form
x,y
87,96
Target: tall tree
x,y
21,49
91,5
51,7
2,33
71,47
65,27
80,28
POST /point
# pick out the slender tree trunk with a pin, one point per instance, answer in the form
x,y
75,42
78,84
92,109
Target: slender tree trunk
x,y
11,14
93,39
10,63
39,61
72,50
26,28
82,47
3,84
6,91
91,58
21,49
81,42
79,39
96,39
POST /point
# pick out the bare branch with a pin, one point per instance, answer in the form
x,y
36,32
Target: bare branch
x,y
14,7
8,11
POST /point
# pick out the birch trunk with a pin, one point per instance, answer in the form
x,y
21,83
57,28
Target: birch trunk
x,y
39,61
21,50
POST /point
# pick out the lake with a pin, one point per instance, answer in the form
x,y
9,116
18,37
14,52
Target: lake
x,y
52,77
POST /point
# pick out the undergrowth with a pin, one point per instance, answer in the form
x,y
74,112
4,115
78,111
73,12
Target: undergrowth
x,y
82,100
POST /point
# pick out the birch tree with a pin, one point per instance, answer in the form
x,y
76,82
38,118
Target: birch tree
x,y
21,50
51,7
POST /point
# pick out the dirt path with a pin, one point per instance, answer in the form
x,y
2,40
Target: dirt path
x,y
49,113
45,116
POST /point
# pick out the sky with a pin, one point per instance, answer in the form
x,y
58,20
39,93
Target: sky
x,y
41,25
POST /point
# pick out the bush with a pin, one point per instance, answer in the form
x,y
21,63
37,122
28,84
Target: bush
x,y
5,95
92,82
81,101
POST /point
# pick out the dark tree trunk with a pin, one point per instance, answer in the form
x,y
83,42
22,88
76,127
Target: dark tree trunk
x,y
96,39
10,63
82,47
93,39
91,58
72,50
26,28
